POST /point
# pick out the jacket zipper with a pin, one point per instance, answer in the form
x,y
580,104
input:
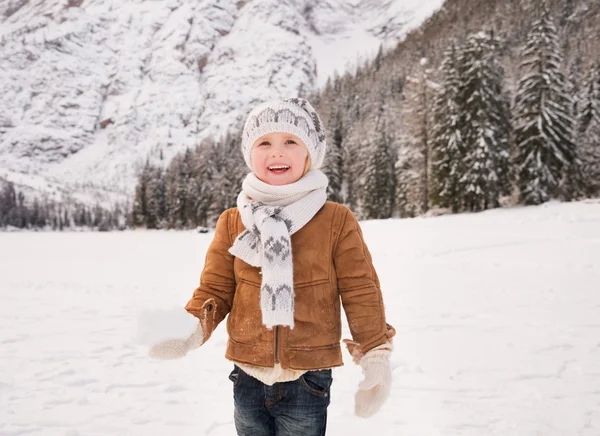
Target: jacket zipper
x,y
276,344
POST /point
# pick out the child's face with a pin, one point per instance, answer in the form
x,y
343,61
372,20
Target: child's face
x,y
281,150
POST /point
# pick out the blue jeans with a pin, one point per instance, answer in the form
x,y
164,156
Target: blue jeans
x,y
296,408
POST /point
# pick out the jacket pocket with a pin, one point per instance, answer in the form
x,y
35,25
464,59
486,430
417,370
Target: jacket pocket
x,y
244,324
317,317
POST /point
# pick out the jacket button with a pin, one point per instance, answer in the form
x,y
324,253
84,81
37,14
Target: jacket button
x,y
209,308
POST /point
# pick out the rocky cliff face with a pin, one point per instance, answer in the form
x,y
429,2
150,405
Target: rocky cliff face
x,y
90,89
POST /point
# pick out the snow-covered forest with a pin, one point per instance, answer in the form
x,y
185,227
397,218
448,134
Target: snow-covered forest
x,y
497,107
463,136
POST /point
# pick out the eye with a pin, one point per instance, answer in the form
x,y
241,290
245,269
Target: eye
x,y
264,143
290,141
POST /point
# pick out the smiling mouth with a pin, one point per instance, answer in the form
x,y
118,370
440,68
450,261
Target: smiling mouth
x,y
278,169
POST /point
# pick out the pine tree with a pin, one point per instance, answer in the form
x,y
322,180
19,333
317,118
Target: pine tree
x,y
155,198
37,219
487,167
227,170
413,169
140,209
66,218
202,182
179,189
8,205
378,58
590,105
542,119
161,198
380,179
88,217
185,190
98,217
334,163
572,185
589,133
574,84
356,148
173,197
407,178
447,145
60,219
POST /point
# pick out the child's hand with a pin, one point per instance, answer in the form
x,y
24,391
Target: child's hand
x,y
167,349
377,384
177,348
374,390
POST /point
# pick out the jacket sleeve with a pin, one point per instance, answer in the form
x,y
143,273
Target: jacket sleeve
x,y
212,300
359,288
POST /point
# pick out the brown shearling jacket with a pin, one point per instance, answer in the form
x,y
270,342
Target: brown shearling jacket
x,y
331,263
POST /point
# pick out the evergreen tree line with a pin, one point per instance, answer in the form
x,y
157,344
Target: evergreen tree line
x,y
546,147
408,143
193,190
500,118
16,211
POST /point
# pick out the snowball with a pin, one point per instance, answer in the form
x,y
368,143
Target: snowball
x,y
155,326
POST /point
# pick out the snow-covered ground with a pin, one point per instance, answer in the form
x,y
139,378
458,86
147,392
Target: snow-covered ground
x,y
497,313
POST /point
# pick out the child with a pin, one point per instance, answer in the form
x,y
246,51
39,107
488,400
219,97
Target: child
x,y
279,264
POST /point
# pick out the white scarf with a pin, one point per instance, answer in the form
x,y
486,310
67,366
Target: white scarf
x,y
271,214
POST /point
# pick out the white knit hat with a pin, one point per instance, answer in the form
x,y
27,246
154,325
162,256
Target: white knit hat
x,y
293,115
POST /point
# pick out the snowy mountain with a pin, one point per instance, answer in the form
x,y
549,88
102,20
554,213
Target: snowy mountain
x,y
90,89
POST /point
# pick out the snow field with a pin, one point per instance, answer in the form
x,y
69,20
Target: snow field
x,y
497,316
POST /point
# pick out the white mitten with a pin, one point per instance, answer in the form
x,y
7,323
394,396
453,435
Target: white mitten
x,y
177,348
374,390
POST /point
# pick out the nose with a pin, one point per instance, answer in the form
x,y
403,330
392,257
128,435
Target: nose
x,y
277,150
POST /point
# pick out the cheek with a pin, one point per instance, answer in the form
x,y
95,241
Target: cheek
x,y
302,156
255,156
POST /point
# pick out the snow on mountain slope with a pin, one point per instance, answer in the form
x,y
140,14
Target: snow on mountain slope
x,y
342,40
90,89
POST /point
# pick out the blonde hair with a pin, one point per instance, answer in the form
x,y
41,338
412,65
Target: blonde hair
x,y
306,165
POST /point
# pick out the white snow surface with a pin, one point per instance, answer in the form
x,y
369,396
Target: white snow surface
x,y
497,314
88,93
